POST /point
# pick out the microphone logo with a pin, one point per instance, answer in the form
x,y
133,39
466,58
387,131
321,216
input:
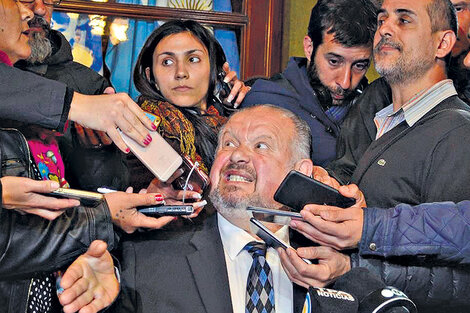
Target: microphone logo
x,y
336,294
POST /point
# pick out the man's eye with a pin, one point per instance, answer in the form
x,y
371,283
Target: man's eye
x,y
361,66
458,8
404,21
261,145
167,62
333,62
194,59
229,144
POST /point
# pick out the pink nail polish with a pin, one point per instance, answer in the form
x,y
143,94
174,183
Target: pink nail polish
x,y
146,142
159,197
128,150
154,127
149,138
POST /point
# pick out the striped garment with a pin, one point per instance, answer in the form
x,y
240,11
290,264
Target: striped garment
x,y
415,108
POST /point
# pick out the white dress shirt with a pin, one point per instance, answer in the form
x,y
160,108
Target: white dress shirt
x,y
239,263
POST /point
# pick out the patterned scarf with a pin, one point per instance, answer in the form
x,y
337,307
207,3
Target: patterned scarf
x,y
174,125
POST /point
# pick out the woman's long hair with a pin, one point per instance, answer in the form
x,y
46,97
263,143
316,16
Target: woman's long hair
x,y
205,137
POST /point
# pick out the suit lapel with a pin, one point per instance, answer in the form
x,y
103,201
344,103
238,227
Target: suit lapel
x,y
207,264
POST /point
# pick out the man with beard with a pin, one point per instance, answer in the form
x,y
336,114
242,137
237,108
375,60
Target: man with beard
x,y
419,155
203,266
321,87
90,158
358,129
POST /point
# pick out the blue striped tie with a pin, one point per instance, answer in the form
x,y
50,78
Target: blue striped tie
x,y
259,286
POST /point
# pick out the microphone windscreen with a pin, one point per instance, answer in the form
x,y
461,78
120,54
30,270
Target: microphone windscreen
x,y
359,281
372,293
323,300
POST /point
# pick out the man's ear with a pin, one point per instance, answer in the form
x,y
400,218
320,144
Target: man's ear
x,y
446,43
308,47
304,166
466,61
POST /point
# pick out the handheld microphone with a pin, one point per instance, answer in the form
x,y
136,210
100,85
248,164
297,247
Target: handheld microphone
x,y
373,295
324,300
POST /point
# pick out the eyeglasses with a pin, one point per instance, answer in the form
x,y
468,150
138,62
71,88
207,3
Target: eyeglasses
x,y
30,3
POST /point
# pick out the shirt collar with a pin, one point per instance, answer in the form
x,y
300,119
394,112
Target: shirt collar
x,y
423,102
234,239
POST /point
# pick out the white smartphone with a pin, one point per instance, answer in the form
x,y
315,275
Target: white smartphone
x,y
159,157
268,237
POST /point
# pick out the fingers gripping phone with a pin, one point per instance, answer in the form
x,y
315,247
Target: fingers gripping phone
x,y
159,157
298,190
167,210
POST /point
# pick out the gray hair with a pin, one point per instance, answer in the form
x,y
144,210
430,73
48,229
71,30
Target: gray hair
x,y
302,141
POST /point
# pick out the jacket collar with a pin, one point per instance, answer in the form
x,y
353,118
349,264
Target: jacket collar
x,y
207,264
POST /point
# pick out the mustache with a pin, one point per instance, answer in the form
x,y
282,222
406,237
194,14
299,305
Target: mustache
x,y
387,41
39,21
241,167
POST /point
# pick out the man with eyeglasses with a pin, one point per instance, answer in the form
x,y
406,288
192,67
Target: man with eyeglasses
x,y
90,158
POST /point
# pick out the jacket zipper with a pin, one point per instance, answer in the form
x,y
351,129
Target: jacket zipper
x,y
27,296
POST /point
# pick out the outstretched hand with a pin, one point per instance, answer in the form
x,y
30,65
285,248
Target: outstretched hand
x,y
124,214
90,283
114,111
25,195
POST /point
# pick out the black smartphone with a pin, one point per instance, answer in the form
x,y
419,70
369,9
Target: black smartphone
x,y
268,237
167,210
297,190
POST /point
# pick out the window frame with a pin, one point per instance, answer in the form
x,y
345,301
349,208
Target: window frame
x,y
259,24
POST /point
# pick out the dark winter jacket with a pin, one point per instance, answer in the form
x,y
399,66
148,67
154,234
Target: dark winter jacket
x,y
292,90
87,168
437,231
32,99
31,245
358,130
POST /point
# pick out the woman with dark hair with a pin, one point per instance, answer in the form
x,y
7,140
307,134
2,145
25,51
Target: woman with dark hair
x,y
179,73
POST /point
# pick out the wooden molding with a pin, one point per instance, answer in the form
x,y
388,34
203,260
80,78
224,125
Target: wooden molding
x,y
261,48
230,20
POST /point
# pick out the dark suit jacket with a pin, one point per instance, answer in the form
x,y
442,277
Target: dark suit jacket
x,y
179,270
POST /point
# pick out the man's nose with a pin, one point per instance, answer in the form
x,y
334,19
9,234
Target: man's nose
x,y
386,28
39,8
344,78
240,155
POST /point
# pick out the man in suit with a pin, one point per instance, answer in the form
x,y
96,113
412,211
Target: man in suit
x,y
203,266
